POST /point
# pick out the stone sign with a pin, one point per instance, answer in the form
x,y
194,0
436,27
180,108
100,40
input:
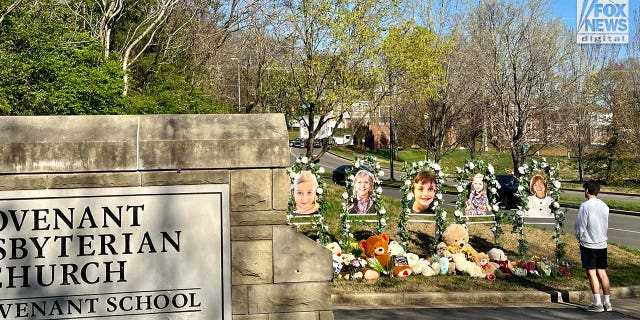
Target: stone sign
x,y
160,252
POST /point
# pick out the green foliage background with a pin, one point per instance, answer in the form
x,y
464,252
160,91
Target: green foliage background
x,y
51,65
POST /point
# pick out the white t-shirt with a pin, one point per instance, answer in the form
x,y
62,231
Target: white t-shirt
x,y
592,224
539,207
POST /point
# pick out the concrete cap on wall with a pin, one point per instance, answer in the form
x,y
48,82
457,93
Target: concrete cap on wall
x,y
33,144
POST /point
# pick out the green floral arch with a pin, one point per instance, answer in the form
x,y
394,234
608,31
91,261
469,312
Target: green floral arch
x,y
303,164
471,167
346,219
526,172
440,215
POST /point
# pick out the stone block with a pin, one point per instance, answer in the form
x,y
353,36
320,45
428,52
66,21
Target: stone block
x,y
250,190
297,258
23,182
251,262
294,316
165,178
290,297
239,299
213,141
67,143
251,317
246,233
93,180
326,315
281,189
258,218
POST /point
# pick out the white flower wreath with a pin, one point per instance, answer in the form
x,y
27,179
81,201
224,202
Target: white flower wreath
x,y
462,174
526,172
381,213
471,167
302,163
440,215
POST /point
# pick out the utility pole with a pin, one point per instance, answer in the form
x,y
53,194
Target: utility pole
x,y
391,144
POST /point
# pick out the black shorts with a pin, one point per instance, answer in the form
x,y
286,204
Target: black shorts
x,y
593,258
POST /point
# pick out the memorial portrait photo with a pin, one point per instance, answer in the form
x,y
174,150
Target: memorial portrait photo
x,y
362,202
304,192
539,201
478,202
423,188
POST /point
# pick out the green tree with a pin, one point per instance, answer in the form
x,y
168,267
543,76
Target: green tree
x,y
332,47
414,63
48,66
619,96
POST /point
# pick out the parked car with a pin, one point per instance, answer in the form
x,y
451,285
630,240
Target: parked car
x,y
508,191
339,173
297,142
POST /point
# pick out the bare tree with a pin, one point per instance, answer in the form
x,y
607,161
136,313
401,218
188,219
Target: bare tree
x,y
518,52
580,108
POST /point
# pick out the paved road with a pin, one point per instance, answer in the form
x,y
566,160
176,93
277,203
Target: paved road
x,y
623,229
628,308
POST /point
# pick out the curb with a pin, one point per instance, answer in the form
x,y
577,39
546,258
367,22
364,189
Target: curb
x,y
368,300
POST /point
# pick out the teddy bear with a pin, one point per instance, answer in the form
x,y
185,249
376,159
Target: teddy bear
x,y
377,246
336,253
396,249
499,257
488,267
456,237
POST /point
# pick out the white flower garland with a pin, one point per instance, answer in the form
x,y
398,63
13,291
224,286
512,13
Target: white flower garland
x,y
526,172
303,164
471,167
440,215
381,213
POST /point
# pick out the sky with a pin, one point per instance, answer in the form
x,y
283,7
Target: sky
x,y
566,9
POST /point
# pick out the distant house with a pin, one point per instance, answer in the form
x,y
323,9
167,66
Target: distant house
x,y
600,125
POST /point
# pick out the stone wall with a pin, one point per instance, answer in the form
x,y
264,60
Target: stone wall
x,y
277,273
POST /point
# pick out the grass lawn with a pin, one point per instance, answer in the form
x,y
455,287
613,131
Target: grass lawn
x,y
624,263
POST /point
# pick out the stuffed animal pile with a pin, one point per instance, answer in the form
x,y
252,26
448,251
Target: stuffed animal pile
x,y
454,255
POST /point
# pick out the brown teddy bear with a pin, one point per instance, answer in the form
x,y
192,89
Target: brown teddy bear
x,y
488,267
456,237
377,246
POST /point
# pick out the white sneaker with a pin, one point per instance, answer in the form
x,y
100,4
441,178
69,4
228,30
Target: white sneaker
x,y
594,308
607,306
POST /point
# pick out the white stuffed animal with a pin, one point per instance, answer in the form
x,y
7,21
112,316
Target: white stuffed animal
x,y
421,266
336,253
415,263
465,266
395,249
496,254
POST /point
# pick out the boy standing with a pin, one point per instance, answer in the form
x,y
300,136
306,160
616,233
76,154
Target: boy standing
x,y
591,231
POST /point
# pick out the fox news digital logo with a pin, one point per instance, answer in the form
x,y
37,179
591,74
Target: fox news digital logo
x,y
603,21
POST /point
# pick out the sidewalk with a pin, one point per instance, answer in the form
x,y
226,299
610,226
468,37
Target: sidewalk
x,y
627,308
369,300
